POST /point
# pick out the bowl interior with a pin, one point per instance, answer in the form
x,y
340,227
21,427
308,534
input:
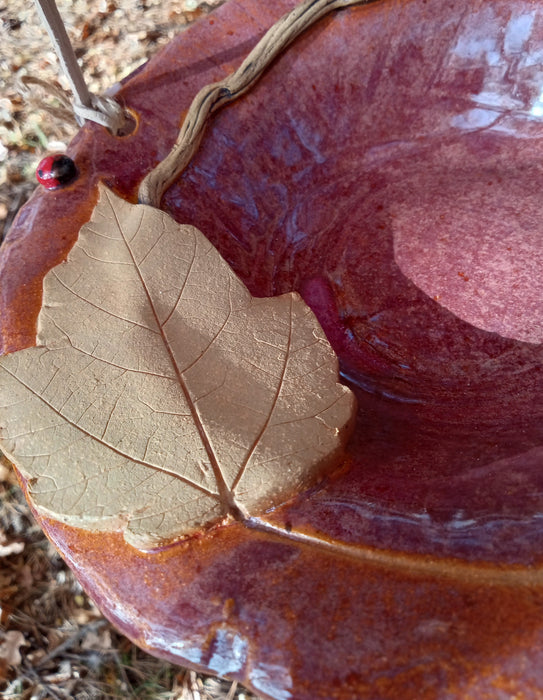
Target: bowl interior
x,y
390,172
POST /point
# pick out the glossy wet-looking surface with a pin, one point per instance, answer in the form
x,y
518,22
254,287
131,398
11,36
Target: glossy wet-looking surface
x,y
372,189
397,188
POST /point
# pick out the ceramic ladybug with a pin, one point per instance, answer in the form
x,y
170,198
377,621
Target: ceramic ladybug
x,y
56,171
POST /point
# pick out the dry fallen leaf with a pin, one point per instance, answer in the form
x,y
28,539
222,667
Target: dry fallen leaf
x,y
97,640
163,396
9,548
9,647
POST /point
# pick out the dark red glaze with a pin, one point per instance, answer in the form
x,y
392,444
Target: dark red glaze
x,y
388,167
56,171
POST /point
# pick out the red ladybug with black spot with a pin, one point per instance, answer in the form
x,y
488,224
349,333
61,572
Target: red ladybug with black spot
x,y
56,171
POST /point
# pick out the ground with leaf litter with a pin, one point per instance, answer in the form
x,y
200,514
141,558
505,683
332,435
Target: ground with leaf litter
x,y
53,641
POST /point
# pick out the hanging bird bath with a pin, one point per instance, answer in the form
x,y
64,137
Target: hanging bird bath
x,y
387,167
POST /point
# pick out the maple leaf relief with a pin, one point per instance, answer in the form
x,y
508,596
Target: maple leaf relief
x,y
162,396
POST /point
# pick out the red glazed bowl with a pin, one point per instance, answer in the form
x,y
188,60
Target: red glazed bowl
x,y
387,167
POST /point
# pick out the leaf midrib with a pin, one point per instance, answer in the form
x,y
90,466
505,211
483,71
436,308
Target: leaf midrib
x,y
226,496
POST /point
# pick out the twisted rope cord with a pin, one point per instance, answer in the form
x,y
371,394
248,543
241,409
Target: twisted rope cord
x,y
216,95
103,110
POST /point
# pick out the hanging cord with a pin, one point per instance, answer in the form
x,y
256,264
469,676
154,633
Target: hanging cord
x,y
86,106
212,97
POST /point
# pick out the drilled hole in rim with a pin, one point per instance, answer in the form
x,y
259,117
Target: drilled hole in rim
x,y
130,124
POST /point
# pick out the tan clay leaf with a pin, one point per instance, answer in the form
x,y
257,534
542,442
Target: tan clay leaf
x,y
162,395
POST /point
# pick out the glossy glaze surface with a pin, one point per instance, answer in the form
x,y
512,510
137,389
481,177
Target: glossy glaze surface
x,y
388,167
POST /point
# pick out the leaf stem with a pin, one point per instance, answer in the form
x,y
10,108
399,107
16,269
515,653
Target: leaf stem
x,y
216,95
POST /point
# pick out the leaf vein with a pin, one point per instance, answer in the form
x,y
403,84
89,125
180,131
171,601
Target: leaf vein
x,y
280,383
100,308
87,434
